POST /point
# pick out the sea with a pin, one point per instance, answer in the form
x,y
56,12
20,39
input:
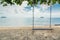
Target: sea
x,y
18,22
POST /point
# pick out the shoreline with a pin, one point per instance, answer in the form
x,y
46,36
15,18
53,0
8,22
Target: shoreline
x,y
26,27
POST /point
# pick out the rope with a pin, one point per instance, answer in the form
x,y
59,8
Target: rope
x,y
50,14
33,16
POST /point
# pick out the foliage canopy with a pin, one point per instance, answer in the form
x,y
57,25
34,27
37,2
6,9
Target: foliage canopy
x,y
30,2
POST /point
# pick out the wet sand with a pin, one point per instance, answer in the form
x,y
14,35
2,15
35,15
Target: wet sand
x,y
28,34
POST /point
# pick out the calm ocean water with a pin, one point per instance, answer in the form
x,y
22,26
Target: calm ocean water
x,y
28,21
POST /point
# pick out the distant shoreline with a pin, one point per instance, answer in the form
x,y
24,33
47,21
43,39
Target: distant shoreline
x,y
26,27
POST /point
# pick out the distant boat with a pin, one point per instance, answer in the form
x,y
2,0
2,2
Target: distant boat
x,y
41,17
57,24
3,17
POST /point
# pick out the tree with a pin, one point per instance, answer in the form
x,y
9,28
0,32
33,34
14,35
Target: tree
x,y
30,2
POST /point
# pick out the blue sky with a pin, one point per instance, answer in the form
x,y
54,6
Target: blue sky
x,y
56,10
26,11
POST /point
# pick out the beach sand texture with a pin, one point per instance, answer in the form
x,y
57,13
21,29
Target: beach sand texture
x,y
28,34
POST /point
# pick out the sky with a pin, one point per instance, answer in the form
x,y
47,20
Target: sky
x,y
25,10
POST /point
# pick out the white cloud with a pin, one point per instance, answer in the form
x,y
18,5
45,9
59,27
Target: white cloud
x,y
18,11
24,4
44,6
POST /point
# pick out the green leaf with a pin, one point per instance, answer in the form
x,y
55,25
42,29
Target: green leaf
x,y
54,2
49,2
4,4
58,1
30,2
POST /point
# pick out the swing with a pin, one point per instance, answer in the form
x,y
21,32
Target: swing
x,y
42,28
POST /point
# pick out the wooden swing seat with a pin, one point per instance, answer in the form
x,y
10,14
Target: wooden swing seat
x,y
42,29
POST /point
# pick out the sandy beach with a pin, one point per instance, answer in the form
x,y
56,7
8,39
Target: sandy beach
x,y
26,33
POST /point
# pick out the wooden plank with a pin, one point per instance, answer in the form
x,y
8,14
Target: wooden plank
x,y
42,29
